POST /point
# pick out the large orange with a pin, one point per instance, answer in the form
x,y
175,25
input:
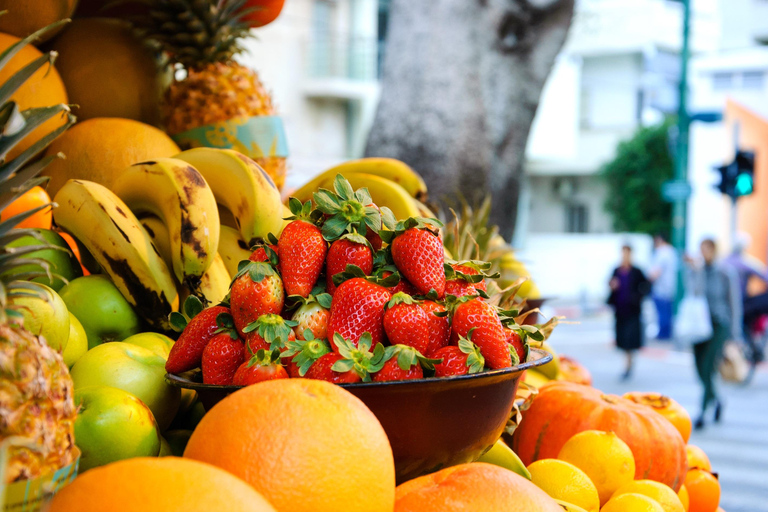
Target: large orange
x,y
43,89
475,487
27,16
32,198
664,405
158,485
703,491
99,149
306,445
697,458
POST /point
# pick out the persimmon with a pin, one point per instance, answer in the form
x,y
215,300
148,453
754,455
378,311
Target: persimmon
x,y
32,198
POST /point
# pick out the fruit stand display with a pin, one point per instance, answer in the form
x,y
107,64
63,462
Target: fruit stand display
x,y
177,336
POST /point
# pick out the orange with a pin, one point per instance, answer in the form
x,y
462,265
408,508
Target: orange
x,y
158,485
604,457
32,198
99,149
668,408
108,71
43,89
475,487
25,17
697,458
657,491
703,491
306,445
632,502
684,499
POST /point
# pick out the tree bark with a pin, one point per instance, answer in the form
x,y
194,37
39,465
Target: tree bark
x,y
461,83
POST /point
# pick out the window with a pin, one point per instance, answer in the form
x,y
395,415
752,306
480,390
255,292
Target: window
x,y
576,218
722,81
753,80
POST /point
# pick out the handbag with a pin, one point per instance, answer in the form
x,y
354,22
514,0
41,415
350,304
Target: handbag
x,y
693,323
734,366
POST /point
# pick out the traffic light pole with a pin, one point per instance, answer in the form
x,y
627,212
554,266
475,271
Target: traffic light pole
x,y
681,154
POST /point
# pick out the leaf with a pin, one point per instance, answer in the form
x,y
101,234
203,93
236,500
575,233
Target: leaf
x,y
334,227
326,202
178,321
295,206
343,365
192,307
343,188
364,197
324,299
388,218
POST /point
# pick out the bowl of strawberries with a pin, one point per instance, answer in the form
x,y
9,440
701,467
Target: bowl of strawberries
x,y
347,295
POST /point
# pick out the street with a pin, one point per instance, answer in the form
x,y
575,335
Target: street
x,y
737,447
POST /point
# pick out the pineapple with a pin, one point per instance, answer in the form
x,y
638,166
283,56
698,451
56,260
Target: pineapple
x,y
200,39
37,409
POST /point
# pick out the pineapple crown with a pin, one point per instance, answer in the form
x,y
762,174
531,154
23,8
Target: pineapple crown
x,y
17,176
194,32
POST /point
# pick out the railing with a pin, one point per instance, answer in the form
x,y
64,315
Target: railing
x,y
343,56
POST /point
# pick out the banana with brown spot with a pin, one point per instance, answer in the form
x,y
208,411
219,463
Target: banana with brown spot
x,y
120,245
232,249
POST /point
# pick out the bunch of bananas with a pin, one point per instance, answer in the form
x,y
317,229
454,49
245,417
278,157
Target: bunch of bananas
x,y
391,183
158,232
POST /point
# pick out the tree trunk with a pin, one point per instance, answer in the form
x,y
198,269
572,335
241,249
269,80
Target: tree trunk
x,y
461,83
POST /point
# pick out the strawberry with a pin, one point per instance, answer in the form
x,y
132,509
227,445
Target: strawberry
x,y
358,307
322,369
263,254
405,323
439,326
256,290
402,286
358,357
471,270
403,362
263,366
221,358
351,249
301,354
459,360
187,352
313,315
302,250
418,255
268,332
458,287
465,279
481,319
517,345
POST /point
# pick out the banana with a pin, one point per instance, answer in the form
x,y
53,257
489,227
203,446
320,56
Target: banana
x,y
232,249
424,210
388,168
239,184
113,235
214,283
502,455
177,193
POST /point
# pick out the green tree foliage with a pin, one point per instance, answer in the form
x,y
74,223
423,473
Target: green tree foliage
x,y
634,180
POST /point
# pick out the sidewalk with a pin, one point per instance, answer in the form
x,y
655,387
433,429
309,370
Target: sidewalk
x,y
737,447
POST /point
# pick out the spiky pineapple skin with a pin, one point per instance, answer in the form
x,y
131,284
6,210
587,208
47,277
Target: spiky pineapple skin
x,y
36,404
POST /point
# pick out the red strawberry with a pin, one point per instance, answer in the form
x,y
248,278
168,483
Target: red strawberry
x,y
393,371
358,307
459,360
313,314
405,323
221,358
481,318
516,342
301,354
256,290
302,250
458,287
402,286
347,251
187,352
439,326
418,255
261,254
465,269
374,239
268,332
403,363
261,367
322,369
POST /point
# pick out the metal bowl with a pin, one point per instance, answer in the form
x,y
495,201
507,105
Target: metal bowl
x,y
431,423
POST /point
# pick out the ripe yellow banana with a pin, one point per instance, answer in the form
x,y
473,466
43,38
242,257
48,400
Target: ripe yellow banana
x,y
502,455
178,194
160,236
388,168
232,249
239,184
113,235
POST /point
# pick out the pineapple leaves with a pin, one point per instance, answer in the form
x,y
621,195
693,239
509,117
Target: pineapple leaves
x,y
21,76
14,221
34,117
15,48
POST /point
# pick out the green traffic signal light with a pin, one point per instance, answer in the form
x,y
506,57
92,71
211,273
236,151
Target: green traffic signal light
x,y
744,184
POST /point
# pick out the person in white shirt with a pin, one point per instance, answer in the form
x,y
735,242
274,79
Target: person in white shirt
x,y
663,275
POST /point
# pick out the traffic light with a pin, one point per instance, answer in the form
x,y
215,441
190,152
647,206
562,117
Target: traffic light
x,y
737,179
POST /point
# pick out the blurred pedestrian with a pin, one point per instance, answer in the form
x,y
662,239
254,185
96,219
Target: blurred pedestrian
x,y
721,288
628,286
663,275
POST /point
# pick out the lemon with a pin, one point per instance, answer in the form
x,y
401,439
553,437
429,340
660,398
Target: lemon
x,y
658,492
684,498
564,481
632,503
569,507
606,459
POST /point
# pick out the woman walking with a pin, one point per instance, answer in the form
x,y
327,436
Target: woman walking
x,y
628,286
721,288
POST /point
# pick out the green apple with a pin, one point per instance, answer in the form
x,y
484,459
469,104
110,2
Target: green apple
x,y
45,316
77,343
177,441
165,448
112,425
158,343
101,308
131,368
62,263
